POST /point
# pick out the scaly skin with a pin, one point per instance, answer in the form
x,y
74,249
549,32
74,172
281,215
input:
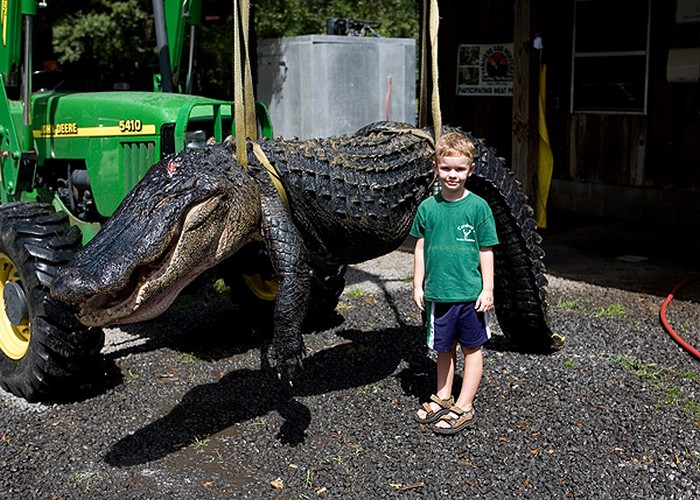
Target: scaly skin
x,y
350,199
161,237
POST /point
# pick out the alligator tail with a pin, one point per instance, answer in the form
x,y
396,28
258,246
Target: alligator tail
x,y
520,292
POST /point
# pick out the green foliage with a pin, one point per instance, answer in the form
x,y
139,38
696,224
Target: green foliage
x,y
105,33
117,38
275,18
109,41
568,305
640,369
214,64
612,311
662,379
356,292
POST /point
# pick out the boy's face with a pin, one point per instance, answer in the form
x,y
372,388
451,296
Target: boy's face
x,y
453,171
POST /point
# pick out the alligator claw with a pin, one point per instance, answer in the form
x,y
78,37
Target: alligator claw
x,y
285,370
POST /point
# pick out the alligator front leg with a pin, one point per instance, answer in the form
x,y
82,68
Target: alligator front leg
x,y
288,258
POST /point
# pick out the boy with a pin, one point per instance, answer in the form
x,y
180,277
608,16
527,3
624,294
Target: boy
x,y
453,259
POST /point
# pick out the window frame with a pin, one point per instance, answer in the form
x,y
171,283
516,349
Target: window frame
x,y
602,55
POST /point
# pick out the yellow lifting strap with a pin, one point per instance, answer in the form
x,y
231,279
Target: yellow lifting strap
x,y
262,158
434,24
244,99
429,31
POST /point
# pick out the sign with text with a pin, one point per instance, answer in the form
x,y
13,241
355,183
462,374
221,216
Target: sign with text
x,y
485,70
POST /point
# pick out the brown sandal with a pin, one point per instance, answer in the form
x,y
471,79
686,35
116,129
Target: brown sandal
x,y
458,423
431,415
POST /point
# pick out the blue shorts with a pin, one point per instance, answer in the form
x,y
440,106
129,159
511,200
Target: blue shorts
x,y
455,322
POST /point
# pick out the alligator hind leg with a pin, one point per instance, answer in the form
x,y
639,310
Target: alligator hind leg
x,y
288,257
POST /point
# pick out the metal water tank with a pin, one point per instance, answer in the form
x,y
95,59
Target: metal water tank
x,y
323,85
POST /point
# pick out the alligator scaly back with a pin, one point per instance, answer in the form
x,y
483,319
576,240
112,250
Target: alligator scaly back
x,y
353,198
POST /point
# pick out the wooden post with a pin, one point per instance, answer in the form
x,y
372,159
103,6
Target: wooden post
x,y
525,138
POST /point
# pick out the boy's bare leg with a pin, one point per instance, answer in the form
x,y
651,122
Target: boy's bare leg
x,y
471,378
445,373
445,378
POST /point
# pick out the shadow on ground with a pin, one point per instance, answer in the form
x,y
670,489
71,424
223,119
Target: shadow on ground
x,y
364,359
626,255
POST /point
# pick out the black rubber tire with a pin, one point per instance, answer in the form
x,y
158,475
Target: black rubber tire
x,y
60,350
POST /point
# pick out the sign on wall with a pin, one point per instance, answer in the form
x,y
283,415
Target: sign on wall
x,y
688,11
485,70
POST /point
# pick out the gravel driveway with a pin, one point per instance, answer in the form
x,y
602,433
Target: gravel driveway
x,y
184,411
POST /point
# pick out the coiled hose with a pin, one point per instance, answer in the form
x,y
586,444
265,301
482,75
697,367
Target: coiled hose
x,y
664,321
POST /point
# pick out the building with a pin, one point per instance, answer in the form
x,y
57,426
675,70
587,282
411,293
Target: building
x,y
622,98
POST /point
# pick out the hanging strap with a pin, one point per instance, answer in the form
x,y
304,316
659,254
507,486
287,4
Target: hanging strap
x,y
244,99
274,176
251,124
423,84
429,51
434,24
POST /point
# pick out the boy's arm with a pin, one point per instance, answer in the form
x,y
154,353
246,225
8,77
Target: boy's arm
x,y
418,273
485,300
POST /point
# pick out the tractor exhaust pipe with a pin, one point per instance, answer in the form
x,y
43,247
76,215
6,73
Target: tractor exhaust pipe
x,y
166,71
27,69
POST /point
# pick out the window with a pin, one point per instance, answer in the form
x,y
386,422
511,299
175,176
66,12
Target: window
x,y
610,56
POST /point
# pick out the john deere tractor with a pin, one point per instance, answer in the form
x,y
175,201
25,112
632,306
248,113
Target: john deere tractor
x,y
67,159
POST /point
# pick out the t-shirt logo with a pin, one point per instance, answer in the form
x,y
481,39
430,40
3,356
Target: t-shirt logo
x,y
466,230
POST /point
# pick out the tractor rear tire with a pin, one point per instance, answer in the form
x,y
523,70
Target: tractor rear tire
x,y
44,350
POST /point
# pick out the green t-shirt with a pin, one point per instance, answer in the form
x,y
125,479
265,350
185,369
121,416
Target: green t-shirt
x,y
454,231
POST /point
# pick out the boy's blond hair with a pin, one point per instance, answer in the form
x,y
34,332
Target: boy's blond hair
x,y
454,144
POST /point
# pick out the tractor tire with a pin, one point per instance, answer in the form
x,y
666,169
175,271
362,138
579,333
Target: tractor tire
x,y
44,350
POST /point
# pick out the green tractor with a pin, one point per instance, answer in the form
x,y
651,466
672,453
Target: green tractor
x,y
67,159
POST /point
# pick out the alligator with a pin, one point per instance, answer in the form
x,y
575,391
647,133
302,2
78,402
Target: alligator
x,y
343,200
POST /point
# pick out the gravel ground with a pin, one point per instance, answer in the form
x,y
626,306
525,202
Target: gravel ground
x,y
185,412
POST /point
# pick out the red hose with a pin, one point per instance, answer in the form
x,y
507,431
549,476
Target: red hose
x,y
667,326
387,101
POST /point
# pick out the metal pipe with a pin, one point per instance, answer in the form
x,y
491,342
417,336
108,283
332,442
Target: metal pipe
x,y
27,68
190,62
166,71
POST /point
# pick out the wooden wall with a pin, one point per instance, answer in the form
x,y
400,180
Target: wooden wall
x,y
673,153
659,150
484,22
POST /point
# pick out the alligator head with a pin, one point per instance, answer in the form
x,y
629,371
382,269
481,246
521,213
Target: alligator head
x,y
162,237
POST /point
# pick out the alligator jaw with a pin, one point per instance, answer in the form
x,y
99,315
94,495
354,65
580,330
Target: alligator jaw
x,y
157,284
102,310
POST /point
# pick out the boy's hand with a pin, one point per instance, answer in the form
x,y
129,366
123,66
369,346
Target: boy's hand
x,y
484,302
418,298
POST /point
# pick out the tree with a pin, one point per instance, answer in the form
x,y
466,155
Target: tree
x,y
110,41
106,42
275,18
